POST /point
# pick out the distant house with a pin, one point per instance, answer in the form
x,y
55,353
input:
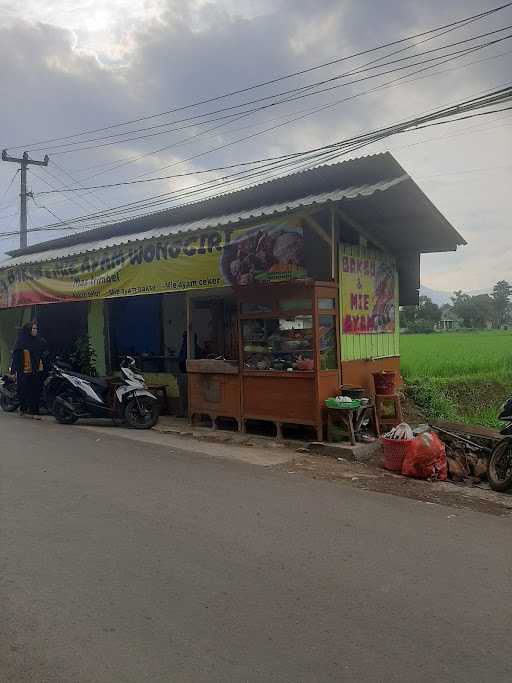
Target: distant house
x,y
449,320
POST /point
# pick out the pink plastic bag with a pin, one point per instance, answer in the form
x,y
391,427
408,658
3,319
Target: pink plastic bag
x,y
426,459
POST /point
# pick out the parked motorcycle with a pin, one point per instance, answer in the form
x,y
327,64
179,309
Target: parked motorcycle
x,y
9,400
127,401
9,394
500,461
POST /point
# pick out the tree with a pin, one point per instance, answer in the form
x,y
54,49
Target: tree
x,y
475,311
501,293
421,318
483,310
463,308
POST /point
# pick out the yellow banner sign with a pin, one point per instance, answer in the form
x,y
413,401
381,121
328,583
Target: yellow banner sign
x,y
218,258
368,301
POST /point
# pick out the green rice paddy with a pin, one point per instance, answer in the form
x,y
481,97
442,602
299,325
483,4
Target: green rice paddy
x,y
460,375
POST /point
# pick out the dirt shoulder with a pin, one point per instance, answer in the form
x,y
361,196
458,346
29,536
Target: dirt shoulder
x,y
371,477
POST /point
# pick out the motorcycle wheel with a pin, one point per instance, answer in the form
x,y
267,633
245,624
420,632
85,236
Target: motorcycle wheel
x,y
141,413
8,405
500,466
61,413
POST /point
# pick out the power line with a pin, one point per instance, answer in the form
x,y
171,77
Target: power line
x,y
187,192
42,206
81,205
475,17
6,192
193,157
366,67
221,168
298,93
336,149
63,170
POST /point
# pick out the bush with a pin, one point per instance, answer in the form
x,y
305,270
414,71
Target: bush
x,y
429,397
83,357
421,327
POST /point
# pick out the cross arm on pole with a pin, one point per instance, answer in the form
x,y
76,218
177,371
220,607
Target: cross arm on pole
x,y
25,159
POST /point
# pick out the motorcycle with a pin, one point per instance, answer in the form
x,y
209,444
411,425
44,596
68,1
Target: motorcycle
x,y
500,461
9,401
79,396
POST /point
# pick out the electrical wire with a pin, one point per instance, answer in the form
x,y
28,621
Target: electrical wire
x,y
74,200
73,179
164,198
296,92
108,167
335,148
6,191
478,16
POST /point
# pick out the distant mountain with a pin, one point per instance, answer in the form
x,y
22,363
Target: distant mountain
x,y
438,297
441,298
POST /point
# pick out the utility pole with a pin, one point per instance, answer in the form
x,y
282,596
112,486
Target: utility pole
x,y
24,162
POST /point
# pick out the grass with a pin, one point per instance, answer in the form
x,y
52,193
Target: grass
x,y
460,375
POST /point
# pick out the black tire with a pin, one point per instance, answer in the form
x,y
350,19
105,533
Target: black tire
x,y
61,413
8,405
141,412
500,466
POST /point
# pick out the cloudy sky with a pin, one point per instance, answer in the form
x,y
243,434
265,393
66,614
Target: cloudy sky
x,y
75,65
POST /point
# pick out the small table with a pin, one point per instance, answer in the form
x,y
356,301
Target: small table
x,y
352,419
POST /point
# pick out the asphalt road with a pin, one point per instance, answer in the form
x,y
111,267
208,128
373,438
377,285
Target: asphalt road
x,y
123,561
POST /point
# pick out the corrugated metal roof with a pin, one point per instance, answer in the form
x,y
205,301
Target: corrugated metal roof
x,y
267,211
374,190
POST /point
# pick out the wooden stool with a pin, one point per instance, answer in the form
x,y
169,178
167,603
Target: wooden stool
x,y
387,419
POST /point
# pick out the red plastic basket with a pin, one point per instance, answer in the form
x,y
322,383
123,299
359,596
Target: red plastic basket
x,y
385,382
395,452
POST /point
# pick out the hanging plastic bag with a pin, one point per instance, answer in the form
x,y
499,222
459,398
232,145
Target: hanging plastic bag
x,y
426,459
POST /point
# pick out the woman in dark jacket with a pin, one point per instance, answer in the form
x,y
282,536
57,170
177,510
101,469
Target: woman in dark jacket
x,y
27,363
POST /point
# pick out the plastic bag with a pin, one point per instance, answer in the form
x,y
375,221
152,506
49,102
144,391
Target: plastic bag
x,y
426,458
400,432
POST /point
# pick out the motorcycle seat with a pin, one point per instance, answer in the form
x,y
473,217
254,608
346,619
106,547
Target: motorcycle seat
x,y
95,381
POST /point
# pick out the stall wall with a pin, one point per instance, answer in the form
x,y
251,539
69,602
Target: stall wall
x,y
96,331
366,345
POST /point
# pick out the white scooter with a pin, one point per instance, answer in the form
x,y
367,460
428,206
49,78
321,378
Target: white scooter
x,y
127,402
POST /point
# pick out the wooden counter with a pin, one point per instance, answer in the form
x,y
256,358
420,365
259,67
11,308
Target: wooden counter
x,y
280,397
214,390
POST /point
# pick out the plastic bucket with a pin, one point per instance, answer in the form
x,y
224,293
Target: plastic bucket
x,y
353,392
385,383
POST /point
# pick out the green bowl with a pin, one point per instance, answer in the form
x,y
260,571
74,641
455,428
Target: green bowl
x,y
331,403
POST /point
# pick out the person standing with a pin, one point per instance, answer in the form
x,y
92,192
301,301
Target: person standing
x,y
27,364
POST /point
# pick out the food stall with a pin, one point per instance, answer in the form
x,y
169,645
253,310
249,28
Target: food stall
x,y
289,353
269,297
283,365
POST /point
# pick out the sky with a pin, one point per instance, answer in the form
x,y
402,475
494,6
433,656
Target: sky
x,y
71,65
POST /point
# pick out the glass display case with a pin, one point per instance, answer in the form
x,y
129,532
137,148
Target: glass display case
x,y
279,344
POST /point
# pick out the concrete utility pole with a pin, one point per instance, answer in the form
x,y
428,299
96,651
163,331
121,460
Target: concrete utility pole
x,y
24,161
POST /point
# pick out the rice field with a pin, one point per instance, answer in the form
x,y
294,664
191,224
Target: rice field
x,y
463,376
456,354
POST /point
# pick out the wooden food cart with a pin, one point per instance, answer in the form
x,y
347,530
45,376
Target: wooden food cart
x,y
288,359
